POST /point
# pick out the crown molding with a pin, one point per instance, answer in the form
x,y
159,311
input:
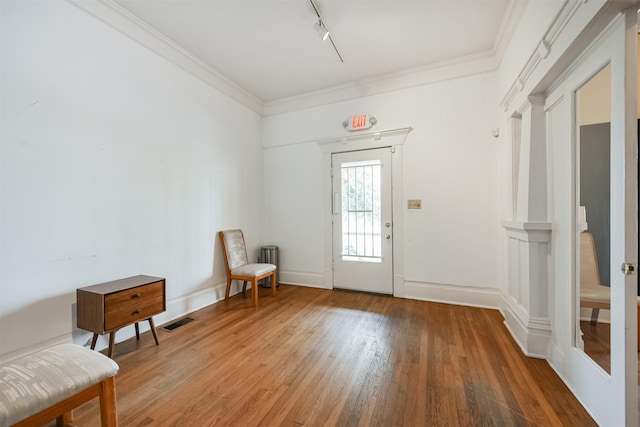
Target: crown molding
x,y
510,20
114,15
479,63
542,50
125,22
405,79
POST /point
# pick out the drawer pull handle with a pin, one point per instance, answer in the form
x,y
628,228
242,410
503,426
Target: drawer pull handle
x,y
136,312
137,295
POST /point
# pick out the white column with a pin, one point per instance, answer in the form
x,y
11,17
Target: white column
x,y
529,233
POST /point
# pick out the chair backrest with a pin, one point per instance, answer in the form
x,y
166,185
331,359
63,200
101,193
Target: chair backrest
x,y
589,272
234,248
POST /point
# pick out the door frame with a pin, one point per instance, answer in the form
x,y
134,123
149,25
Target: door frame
x,y
589,382
394,139
376,277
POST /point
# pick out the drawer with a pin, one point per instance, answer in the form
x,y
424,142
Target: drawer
x,y
133,296
133,311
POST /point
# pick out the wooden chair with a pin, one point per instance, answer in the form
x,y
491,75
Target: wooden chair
x,y
239,268
593,294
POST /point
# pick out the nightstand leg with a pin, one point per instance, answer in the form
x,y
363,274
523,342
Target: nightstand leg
x,y
112,341
153,330
137,331
94,340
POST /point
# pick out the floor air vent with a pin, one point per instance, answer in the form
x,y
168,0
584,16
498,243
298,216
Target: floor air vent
x,y
177,324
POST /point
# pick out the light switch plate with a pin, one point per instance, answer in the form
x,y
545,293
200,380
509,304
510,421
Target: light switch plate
x,y
414,204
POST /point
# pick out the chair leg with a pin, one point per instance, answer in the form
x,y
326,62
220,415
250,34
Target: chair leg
x,y
273,283
254,291
226,295
594,315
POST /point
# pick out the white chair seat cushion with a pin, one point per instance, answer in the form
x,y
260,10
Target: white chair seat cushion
x,y
595,294
37,381
601,294
253,270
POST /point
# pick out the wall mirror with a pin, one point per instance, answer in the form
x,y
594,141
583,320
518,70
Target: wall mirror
x,y
593,194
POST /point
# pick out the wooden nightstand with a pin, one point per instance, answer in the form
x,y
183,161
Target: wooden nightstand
x,y
107,307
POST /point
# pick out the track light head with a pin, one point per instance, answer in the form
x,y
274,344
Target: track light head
x,y
323,32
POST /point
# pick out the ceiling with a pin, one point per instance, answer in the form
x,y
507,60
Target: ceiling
x,y
271,50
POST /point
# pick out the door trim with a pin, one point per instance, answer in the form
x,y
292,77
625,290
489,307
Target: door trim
x,y
587,380
368,141
376,277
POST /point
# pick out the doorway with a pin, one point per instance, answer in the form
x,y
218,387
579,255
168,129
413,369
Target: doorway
x,y
362,220
595,220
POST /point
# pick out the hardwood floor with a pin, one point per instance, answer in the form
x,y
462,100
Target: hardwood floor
x,y
597,345
319,357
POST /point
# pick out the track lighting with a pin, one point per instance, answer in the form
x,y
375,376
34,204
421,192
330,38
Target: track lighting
x,y
322,31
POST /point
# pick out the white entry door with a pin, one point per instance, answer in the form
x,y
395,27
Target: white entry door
x,y
362,221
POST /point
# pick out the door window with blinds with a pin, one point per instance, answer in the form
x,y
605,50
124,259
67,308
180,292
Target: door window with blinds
x,y
361,212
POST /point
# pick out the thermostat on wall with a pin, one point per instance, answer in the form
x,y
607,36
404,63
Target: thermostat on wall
x,y
414,204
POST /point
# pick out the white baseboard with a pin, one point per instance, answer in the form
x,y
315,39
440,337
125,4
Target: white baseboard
x,y
452,294
312,280
491,298
532,334
176,308
7,357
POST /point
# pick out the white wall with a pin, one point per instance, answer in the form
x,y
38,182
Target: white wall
x,y
114,162
449,163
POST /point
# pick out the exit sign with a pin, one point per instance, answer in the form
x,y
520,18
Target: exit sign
x,y
363,121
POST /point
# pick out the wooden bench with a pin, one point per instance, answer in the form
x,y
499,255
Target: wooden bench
x,y
49,384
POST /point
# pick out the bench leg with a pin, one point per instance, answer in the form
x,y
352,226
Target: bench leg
x,y
64,419
594,315
108,406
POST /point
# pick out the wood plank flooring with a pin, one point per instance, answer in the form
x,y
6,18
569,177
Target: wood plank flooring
x,y
312,357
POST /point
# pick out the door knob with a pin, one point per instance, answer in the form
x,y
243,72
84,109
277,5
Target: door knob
x,y
628,268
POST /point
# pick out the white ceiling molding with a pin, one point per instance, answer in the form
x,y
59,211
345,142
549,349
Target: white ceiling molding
x,y
419,76
414,77
510,21
122,20
542,50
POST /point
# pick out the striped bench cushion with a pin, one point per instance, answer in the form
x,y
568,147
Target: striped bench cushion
x,y
37,381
